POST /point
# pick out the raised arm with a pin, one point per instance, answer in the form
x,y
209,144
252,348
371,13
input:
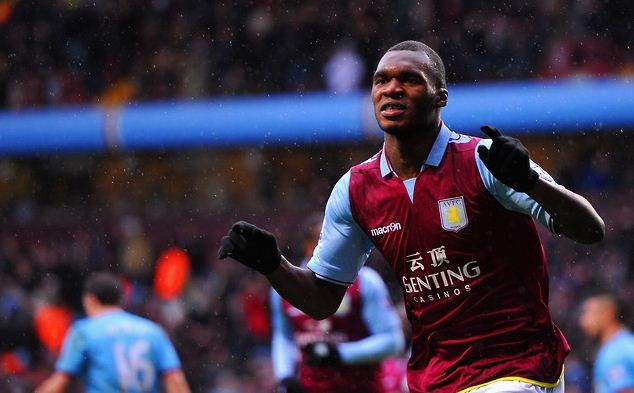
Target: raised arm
x,y
573,216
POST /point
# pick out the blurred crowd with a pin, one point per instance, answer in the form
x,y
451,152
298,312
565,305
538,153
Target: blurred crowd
x,y
113,52
63,217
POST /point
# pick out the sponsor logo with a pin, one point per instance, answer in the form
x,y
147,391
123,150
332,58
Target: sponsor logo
x,y
438,256
415,261
314,331
441,280
453,215
391,227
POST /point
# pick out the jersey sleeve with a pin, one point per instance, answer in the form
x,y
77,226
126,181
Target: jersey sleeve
x,y
284,351
343,247
74,351
509,198
166,356
382,321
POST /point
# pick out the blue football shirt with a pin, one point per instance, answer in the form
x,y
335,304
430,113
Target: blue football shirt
x,y
116,352
614,366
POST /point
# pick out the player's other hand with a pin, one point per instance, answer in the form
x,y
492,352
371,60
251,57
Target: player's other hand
x,y
251,246
289,385
321,353
508,160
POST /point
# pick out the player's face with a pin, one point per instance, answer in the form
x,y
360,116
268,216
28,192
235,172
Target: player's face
x,y
591,317
405,100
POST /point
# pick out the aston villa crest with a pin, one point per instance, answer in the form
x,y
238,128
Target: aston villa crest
x,y
453,215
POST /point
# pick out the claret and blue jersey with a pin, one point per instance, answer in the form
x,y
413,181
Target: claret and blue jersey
x,y
467,254
366,329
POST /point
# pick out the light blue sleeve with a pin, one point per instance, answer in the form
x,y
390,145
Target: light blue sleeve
x,y
343,247
166,356
74,351
382,320
509,198
284,353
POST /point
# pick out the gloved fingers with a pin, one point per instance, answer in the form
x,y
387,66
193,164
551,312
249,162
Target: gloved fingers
x,y
483,152
237,239
507,166
496,156
243,228
506,160
226,247
491,131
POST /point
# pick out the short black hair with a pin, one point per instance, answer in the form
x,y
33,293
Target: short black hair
x,y
621,309
436,66
105,286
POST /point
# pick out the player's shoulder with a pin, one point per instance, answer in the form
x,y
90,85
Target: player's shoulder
x,y
463,142
371,163
624,343
81,325
138,324
144,321
617,349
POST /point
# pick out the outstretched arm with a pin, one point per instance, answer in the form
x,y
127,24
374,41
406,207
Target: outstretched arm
x,y
257,249
318,289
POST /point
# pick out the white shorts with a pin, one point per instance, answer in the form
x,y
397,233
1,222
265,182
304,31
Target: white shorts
x,y
518,387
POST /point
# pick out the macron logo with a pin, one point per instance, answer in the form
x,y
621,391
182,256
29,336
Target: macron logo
x,y
391,227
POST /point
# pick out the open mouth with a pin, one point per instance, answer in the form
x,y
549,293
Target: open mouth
x,y
392,109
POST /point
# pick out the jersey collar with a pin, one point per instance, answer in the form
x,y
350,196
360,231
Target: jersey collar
x,y
433,158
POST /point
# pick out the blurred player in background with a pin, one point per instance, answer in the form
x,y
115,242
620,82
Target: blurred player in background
x,y
113,350
454,217
602,319
342,353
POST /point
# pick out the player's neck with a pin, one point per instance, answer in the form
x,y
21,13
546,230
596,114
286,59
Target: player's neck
x,y
609,332
102,310
408,154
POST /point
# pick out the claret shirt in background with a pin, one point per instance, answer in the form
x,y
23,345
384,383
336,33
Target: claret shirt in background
x,y
365,328
466,252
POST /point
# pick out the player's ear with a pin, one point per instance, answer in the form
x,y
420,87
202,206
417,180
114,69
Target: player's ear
x,y
89,301
442,96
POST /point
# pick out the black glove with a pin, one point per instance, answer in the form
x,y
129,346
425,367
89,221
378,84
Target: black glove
x,y
251,246
289,385
508,160
321,353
